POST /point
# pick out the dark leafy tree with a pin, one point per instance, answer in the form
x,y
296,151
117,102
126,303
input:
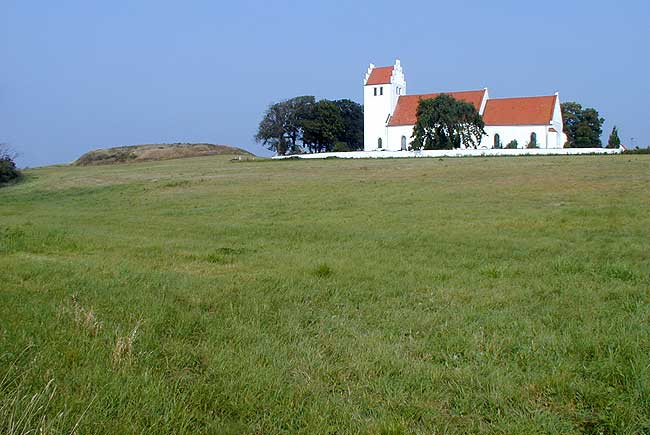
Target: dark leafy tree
x,y
271,131
583,127
8,169
341,147
322,127
614,141
298,110
446,123
301,122
352,133
281,127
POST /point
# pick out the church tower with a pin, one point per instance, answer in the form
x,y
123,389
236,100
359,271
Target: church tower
x,y
382,86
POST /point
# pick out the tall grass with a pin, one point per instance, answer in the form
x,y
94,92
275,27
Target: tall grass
x,y
360,297
25,410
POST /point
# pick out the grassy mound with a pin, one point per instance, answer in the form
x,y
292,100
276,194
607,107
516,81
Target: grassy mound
x,y
153,152
415,296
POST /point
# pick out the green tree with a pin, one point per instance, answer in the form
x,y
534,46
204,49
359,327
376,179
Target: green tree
x,y
322,127
446,123
583,127
271,132
298,109
8,169
281,128
352,133
614,141
292,125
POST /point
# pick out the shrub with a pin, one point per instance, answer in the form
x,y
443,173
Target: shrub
x,y
532,144
513,144
638,151
8,170
341,147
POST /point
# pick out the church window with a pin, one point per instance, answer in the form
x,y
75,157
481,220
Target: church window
x,y
381,90
497,141
403,143
379,143
375,92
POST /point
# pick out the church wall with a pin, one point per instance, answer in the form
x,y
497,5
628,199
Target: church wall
x,y
507,133
558,125
378,107
519,132
395,136
375,112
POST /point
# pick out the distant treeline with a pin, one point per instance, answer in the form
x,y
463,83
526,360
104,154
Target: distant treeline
x,y
303,124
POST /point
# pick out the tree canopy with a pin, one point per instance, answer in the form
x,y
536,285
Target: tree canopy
x,y
583,127
446,123
322,127
281,127
614,141
351,136
302,123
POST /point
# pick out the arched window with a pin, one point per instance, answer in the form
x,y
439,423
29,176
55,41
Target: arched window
x,y
403,143
381,90
379,143
497,141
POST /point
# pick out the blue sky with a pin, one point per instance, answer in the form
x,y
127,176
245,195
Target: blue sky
x,y
78,75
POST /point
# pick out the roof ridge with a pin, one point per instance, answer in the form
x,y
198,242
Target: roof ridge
x,y
523,98
446,92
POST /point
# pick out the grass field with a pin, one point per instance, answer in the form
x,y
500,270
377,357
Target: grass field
x,y
416,296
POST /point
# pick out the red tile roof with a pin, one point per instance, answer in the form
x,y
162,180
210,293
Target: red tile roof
x,y
407,105
519,111
380,76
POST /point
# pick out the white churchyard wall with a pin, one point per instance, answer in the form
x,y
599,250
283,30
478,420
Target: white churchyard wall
x,y
456,153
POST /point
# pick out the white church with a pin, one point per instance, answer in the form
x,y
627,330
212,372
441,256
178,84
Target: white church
x,y
390,114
